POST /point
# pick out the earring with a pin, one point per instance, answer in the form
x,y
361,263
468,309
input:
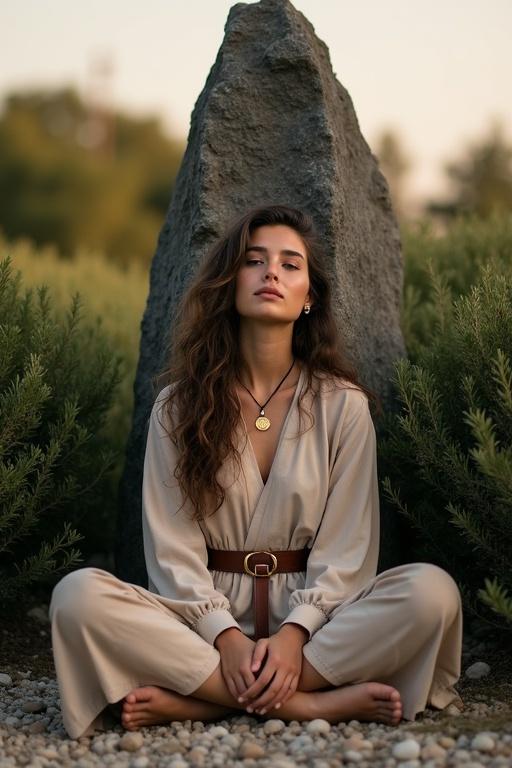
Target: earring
x,y
307,309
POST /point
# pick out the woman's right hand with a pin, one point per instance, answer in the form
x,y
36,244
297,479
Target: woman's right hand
x,y
236,652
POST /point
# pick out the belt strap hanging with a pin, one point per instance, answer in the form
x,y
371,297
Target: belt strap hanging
x,y
261,565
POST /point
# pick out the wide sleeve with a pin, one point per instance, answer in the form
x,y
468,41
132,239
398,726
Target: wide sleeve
x,y
344,555
174,545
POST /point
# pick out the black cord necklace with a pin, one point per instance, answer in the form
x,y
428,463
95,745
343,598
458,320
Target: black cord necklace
x,y
263,422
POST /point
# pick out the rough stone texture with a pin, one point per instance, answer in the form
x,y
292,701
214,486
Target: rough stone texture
x,y
272,124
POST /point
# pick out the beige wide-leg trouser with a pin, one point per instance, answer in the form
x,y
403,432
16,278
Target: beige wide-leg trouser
x,y
404,628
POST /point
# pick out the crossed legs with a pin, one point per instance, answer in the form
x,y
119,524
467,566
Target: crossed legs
x,y
116,642
212,700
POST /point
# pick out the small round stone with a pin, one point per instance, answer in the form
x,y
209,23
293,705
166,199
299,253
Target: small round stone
x,y
318,726
131,741
251,750
299,743
140,762
39,726
477,670
198,751
231,741
406,750
433,752
12,720
452,710
351,756
218,731
33,706
483,743
354,742
273,726
98,747
5,679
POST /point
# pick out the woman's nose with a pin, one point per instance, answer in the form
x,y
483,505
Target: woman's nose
x,y
270,274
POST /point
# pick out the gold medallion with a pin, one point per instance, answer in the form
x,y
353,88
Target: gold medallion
x,y
262,423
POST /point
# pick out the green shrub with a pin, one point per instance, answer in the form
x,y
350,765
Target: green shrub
x,y
437,266
57,381
447,456
115,299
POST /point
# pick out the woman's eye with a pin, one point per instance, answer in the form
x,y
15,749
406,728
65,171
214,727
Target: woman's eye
x,y
290,265
254,261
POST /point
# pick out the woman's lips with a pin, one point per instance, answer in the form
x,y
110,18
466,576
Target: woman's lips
x,y
268,295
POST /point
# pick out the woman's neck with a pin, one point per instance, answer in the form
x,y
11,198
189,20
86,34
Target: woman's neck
x,y
266,352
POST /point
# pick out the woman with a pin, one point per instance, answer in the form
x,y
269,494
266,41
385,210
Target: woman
x,y
260,522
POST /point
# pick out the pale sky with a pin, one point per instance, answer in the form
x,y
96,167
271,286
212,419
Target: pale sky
x,y
437,71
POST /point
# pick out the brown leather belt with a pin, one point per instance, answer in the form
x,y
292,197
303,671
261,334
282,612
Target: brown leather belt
x,y
261,565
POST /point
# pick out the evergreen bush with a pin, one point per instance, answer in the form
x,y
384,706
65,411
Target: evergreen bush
x,y
57,381
458,255
446,457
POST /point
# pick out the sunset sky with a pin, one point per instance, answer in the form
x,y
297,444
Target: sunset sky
x,y
437,71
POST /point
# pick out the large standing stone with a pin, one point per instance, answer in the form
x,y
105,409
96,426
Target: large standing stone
x,y
272,124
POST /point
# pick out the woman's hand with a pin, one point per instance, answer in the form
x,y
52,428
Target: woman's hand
x,y
281,671
236,653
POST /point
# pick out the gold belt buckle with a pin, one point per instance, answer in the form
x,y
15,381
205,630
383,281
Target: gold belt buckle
x,y
260,552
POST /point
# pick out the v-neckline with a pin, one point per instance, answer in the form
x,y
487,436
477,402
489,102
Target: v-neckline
x,y
254,460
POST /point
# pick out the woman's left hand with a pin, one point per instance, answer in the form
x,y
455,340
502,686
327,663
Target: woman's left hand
x,y
281,671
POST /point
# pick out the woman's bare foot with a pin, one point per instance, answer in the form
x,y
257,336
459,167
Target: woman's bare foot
x,y
366,701
152,705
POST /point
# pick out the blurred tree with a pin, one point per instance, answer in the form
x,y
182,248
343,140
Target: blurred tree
x,y
57,185
481,179
395,165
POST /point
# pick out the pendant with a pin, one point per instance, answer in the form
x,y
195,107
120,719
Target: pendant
x,y
262,422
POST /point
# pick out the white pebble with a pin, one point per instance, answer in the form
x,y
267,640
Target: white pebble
x,y
299,743
351,756
131,741
477,670
318,726
98,747
483,743
140,762
231,741
433,752
218,732
273,726
5,679
406,750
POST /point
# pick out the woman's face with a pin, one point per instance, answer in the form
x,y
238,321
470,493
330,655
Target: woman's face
x,y
272,283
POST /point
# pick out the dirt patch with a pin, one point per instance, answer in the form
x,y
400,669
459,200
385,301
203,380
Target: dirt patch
x,y
25,641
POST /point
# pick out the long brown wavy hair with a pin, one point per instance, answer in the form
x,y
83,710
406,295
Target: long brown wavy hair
x,y
204,359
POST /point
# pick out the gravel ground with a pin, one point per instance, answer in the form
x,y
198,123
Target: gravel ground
x,y
32,734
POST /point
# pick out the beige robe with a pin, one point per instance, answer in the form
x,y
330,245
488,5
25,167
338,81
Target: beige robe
x,y
402,627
